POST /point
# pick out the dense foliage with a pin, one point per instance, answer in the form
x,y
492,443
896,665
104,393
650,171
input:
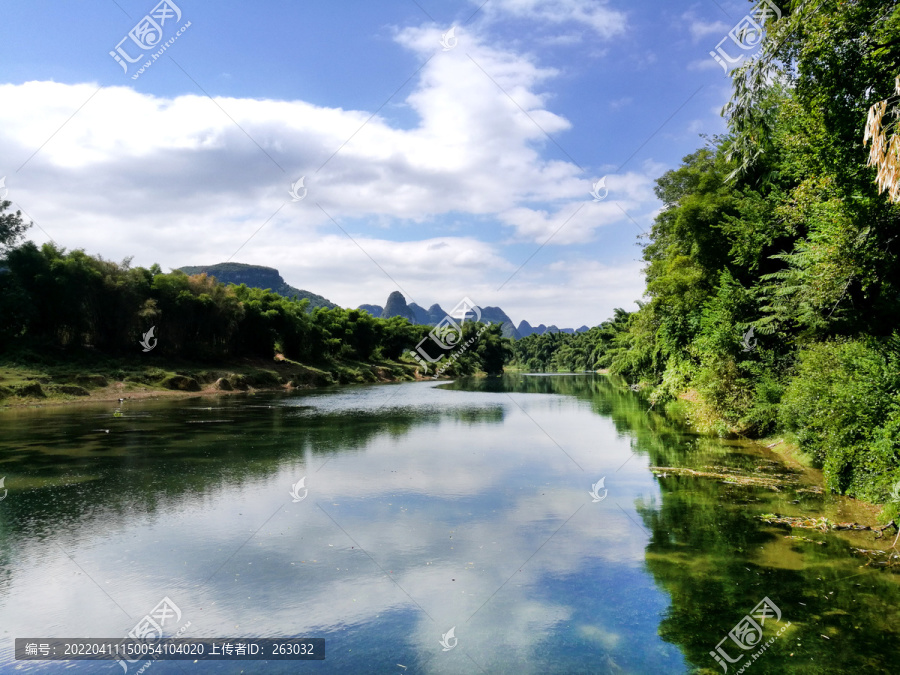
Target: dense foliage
x,y
53,299
570,352
778,226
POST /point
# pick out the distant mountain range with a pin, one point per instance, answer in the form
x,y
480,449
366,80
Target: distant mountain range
x,y
396,306
257,276
525,329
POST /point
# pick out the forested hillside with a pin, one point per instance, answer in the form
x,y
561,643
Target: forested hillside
x,y
258,276
779,226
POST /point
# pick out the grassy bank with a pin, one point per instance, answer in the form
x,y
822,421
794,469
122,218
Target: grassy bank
x,y
690,409
41,378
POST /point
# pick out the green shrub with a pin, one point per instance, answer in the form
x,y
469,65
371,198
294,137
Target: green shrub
x,y
70,390
92,381
675,380
840,396
761,417
884,463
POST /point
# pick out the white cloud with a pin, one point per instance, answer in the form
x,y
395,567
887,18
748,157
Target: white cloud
x,y
189,159
598,288
440,270
708,63
563,39
576,222
697,126
700,29
595,14
572,223
183,180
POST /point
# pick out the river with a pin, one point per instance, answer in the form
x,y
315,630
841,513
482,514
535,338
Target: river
x,y
519,512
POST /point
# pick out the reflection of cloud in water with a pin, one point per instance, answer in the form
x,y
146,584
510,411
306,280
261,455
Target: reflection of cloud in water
x,y
451,511
423,401
609,641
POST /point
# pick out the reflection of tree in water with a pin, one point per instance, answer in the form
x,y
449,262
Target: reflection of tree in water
x,y
651,433
176,451
475,416
716,560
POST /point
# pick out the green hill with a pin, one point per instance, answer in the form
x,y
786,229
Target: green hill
x,y
257,276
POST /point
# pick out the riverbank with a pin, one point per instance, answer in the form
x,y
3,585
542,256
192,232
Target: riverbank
x,y
39,379
783,447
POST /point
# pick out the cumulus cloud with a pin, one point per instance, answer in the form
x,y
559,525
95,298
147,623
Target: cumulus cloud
x,y
596,15
577,222
474,149
598,287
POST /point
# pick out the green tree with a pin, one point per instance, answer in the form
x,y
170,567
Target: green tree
x,y
12,227
493,350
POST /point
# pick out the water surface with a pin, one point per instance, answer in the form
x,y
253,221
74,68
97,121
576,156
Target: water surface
x,y
425,507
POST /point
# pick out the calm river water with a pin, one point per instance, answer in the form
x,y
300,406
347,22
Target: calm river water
x,y
519,512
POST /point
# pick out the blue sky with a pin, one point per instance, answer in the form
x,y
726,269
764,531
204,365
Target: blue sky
x,y
452,167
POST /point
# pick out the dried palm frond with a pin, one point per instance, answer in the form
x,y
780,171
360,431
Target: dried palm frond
x,y
884,154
